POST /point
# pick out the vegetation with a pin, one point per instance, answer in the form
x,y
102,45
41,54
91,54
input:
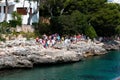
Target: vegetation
x,y
69,24
17,20
117,29
90,17
8,27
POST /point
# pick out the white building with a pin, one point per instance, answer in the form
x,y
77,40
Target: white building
x,y
22,7
114,1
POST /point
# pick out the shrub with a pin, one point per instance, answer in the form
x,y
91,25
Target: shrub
x,y
4,28
17,20
43,28
117,30
4,24
90,31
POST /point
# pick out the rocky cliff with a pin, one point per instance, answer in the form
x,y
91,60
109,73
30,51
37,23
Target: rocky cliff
x,y
25,53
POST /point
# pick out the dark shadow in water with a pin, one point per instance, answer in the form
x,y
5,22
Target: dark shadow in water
x,y
46,65
11,71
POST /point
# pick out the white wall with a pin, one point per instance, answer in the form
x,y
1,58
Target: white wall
x,y
25,17
14,6
114,1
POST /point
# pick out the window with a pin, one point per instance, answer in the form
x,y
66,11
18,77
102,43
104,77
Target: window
x,y
23,10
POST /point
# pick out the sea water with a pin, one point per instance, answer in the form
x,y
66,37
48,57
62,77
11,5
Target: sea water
x,y
103,67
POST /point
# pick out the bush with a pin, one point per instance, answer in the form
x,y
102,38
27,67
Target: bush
x,y
35,24
17,20
90,31
4,28
117,30
4,24
42,28
13,23
69,24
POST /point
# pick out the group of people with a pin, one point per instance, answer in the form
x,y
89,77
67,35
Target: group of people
x,y
51,40
48,41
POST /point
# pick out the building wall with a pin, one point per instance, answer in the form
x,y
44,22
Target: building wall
x,y
14,6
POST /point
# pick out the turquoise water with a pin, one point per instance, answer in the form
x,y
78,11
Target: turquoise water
x,y
104,67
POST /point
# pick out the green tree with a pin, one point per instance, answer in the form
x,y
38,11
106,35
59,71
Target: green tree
x,y
90,31
90,17
69,24
106,20
54,7
90,6
117,30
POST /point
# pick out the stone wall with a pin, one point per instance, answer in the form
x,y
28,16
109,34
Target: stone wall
x,y
25,28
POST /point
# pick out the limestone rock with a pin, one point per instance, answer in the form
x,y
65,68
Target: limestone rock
x,y
25,53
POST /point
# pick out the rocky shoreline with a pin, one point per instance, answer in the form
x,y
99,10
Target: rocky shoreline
x,y
22,53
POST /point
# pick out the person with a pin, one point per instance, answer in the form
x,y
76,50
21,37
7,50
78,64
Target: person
x,y
58,37
37,39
